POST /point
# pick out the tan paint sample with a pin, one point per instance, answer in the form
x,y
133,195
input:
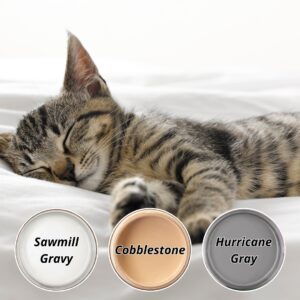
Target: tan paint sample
x,y
154,228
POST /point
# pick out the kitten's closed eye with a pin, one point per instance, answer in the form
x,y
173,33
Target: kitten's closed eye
x,y
42,173
82,125
66,149
37,169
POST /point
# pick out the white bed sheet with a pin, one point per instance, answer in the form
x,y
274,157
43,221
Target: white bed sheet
x,y
202,96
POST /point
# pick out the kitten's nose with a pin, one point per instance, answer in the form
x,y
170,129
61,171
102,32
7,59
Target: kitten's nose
x,y
64,169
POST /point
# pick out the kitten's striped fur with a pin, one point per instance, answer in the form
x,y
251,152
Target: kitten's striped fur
x,y
194,170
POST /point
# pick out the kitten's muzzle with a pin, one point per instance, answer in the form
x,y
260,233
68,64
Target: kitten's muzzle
x,y
65,170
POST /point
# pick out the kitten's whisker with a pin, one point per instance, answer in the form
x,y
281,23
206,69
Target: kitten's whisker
x,y
109,140
118,129
85,154
88,158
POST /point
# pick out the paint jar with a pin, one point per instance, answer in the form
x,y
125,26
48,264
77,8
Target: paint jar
x,y
150,249
243,249
56,250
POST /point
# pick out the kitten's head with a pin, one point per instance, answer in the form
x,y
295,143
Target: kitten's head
x,y
68,139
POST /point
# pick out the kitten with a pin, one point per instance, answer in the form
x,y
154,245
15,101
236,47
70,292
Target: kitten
x,y
194,170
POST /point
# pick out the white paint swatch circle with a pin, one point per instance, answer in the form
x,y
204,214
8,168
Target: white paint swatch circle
x,y
56,250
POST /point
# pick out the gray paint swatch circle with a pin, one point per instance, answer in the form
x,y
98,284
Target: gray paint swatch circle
x,y
243,249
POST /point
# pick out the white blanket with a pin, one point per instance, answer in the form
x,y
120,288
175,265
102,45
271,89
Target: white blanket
x,y
202,96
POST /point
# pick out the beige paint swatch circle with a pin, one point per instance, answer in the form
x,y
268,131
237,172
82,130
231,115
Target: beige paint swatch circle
x,y
150,249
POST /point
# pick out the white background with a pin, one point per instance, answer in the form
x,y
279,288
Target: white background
x,y
183,34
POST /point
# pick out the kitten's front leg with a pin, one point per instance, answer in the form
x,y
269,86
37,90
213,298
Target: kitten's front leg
x,y
210,187
135,192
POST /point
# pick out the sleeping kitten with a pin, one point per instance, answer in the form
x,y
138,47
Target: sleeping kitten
x,y
194,170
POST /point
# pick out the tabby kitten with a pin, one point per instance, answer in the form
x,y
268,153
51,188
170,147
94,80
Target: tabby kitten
x,y
194,170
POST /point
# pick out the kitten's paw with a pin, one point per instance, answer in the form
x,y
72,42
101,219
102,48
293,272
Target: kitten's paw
x,y
129,195
197,225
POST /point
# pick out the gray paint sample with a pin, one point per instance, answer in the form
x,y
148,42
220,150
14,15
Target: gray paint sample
x,y
243,249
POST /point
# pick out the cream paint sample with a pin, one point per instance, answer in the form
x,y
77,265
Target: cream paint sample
x,y
165,244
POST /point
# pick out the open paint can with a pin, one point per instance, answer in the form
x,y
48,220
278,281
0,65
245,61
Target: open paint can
x,y
56,250
150,249
243,249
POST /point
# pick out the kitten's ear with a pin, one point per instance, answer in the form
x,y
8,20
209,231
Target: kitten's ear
x,y
81,72
5,140
5,153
